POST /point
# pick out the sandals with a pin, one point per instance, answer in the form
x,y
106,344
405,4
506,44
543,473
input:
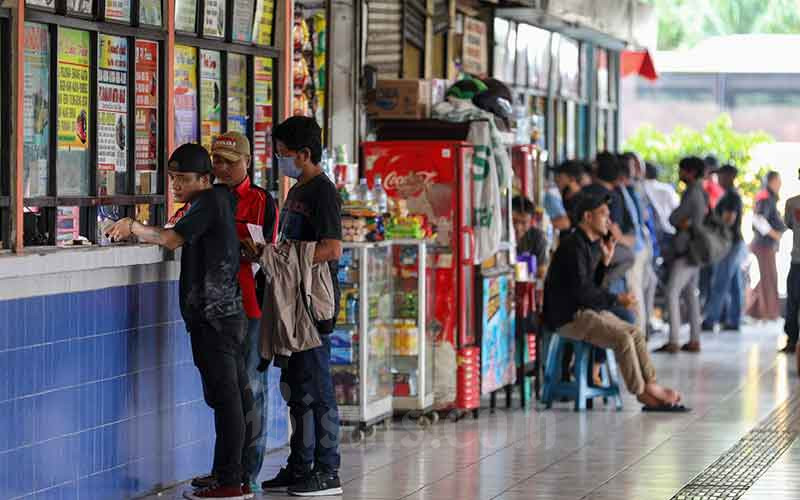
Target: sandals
x,y
667,408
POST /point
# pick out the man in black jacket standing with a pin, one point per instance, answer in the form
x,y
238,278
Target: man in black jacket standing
x,y
577,307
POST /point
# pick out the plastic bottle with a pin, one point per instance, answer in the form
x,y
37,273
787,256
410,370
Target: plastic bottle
x,y
364,193
380,196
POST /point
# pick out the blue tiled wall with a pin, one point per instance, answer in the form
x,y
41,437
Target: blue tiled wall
x,y
99,397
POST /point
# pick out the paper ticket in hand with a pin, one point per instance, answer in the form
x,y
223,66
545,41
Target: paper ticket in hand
x,y
761,225
257,233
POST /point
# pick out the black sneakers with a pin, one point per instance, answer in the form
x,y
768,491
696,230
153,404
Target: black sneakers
x,y
204,481
281,482
318,484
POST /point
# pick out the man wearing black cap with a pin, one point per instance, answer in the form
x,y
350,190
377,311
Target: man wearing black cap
x,y
211,304
578,307
568,179
727,282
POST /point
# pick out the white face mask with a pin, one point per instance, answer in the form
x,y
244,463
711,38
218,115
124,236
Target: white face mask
x,y
287,166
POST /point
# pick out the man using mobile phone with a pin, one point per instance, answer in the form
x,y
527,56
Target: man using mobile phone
x,y
577,307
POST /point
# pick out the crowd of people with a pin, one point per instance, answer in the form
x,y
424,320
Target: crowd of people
x,y
636,244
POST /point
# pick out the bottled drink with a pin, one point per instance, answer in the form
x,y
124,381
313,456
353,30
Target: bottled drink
x,y
364,193
380,196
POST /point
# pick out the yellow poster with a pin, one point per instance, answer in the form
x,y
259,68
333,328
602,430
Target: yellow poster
x,y
262,27
186,129
73,89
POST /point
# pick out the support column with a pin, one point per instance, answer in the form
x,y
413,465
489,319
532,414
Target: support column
x,y
343,76
17,121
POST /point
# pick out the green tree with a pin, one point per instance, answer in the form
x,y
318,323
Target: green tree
x,y
683,23
718,138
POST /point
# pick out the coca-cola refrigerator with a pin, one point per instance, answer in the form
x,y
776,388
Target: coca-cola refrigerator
x,y
434,178
526,161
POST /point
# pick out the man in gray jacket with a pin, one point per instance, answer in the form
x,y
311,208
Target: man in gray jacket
x,y
683,274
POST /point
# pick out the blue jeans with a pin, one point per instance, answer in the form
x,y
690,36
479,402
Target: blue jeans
x,y
256,417
727,288
307,387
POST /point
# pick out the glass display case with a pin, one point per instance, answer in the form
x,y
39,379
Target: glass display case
x,y
361,359
414,330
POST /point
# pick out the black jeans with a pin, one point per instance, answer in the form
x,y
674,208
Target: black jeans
x,y
307,387
218,350
791,326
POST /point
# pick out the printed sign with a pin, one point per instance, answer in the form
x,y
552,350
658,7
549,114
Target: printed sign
x,y
185,95
210,96
262,26
112,103
146,105
475,54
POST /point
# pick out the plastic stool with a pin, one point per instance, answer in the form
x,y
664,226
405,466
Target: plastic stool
x,y
580,389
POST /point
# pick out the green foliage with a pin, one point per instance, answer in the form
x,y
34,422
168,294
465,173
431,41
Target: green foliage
x,y
718,138
683,23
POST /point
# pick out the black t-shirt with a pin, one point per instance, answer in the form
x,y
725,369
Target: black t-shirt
x,y
313,212
209,286
732,202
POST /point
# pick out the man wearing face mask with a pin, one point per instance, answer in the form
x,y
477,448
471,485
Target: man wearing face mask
x,y
312,212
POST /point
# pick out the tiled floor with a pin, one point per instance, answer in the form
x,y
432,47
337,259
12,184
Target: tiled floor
x,y
735,382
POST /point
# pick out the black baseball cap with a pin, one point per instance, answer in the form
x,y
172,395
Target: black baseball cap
x,y
190,158
728,169
589,202
571,168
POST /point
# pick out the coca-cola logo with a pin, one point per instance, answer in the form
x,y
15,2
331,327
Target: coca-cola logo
x,y
410,184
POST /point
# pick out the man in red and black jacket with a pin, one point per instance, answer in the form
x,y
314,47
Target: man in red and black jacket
x,y
255,210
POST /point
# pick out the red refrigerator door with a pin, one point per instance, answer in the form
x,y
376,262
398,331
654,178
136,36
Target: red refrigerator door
x,y
522,164
466,241
427,175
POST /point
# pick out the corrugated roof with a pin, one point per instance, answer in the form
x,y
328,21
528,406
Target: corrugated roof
x,y
734,54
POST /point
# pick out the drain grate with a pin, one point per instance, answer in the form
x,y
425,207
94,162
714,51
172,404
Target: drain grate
x,y
739,468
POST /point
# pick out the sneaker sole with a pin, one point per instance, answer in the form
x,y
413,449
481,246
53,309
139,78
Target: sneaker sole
x,y
330,492
188,495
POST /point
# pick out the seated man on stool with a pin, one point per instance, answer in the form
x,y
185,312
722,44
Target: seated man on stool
x,y
577,307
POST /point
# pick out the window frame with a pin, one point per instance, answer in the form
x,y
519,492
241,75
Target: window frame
x,y
250,51
95,25
5,132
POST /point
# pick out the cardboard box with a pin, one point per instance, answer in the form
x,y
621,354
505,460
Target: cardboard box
x,y
400,100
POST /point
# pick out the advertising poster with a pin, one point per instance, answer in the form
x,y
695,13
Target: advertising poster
x,y
51,4
73,112
214,18
118,10
262,26
475,55
569,67
37,106
185,15
73,89
237,93
112,103
262,135
210,96
146,105
243,20
150,12
498,347
80,6
185,95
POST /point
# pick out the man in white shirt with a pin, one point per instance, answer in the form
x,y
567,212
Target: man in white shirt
x,y
662,196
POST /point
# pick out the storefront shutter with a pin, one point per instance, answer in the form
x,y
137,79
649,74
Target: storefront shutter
x,y
385,36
